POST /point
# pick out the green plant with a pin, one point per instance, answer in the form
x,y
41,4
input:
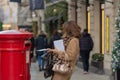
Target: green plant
x,y
98,57
115,61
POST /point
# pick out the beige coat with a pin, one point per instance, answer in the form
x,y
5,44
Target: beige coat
x,y
72,51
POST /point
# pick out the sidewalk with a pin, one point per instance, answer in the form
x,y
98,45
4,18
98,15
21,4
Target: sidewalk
x,y
78,74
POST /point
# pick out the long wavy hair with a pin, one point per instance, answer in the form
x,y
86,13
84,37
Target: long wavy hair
x,y
70,28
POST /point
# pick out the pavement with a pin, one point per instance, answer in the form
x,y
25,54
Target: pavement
x,y
77,75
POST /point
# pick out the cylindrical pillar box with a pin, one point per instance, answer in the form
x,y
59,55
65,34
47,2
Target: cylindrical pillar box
x,y
12,53
27,63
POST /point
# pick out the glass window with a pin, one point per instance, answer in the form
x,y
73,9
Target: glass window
x,y
87,2
102,1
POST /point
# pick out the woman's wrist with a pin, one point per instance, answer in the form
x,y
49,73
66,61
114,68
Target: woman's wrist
x,y
55,51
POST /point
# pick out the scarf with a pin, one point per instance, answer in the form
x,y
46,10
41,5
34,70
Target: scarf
x,y
66,41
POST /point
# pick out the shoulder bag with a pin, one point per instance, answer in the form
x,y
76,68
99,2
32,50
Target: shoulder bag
x,y
63,66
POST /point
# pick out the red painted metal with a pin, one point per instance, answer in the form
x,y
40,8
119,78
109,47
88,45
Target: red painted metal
x,y
12,55
27,63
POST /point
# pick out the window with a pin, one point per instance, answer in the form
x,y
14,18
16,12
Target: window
x,y
102,1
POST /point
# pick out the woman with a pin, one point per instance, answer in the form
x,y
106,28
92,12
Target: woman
x,y
71,34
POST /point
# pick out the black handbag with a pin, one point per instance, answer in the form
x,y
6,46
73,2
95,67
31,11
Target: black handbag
x,y
48,71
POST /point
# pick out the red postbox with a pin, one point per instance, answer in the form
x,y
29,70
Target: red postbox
x,y
27,63
12,54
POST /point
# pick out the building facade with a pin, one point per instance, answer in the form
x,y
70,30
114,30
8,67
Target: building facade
x,y
8,14
98,16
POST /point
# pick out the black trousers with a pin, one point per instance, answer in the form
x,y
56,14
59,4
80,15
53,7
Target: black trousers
x,y
85,59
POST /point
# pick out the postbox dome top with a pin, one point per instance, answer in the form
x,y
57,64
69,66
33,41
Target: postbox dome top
x,y
15,34
10,32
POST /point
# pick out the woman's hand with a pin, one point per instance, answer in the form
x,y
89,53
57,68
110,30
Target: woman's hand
x,y
49,50
52,50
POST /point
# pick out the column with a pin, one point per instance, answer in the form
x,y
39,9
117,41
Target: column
x,y
71,10
96,29
81,15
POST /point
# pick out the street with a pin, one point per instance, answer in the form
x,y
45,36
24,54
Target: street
x,y
78,74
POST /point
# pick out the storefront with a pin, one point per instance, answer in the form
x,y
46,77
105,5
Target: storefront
x,y
98,16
